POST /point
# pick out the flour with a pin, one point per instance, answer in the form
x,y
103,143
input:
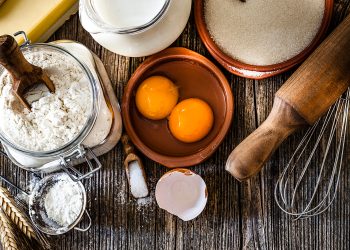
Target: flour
x,y
63,202
56,118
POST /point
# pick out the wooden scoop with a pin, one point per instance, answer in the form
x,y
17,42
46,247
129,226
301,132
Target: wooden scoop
x,y
302,100
131,157
24,74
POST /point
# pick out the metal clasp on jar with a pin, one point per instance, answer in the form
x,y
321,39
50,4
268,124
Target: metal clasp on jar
x,y
25,37
67,163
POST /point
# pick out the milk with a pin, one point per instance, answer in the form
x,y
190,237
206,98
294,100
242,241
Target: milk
x,y
127,13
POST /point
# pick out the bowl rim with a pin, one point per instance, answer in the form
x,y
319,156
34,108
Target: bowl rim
x,y
254,71
210,148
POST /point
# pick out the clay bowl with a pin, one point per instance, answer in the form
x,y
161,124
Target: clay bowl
x,y
252,71
195,76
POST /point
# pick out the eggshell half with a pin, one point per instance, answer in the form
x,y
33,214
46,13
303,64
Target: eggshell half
x,y
183,193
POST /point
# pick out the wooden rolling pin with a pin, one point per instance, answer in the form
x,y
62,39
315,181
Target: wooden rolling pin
x,y
302,100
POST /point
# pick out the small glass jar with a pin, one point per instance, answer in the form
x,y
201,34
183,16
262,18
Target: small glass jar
x,y
143,40
103,124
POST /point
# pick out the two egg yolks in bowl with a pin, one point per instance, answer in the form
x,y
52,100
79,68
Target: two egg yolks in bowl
x,y
189,120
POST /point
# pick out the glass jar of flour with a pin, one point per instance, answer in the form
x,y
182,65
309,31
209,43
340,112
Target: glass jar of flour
x,y
78,122
135,28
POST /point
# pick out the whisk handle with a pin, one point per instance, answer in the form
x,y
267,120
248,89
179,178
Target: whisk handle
x,y
250,155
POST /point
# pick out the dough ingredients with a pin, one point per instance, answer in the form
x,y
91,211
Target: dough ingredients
x,y
56,118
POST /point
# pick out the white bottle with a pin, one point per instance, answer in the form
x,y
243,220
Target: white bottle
x,y
135,28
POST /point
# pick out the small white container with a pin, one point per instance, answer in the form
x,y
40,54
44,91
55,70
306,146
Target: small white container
x,y
104,126
141,40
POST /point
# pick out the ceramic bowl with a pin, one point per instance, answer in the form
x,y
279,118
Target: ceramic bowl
x,y
252,71
195,76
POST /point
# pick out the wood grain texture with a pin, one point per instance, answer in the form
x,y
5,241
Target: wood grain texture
x,y
237,216
247,159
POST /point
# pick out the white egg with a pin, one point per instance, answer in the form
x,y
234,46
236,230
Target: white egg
x,y
183,193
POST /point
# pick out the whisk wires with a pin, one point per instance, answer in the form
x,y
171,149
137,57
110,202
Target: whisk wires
x,y
290,194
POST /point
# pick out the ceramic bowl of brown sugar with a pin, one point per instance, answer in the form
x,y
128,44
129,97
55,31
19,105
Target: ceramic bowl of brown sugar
x,y
195,77
259,39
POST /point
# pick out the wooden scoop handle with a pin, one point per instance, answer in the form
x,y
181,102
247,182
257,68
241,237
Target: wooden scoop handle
x,y
23,73
303,99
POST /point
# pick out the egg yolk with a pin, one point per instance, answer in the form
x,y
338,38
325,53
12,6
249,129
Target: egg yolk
x,y
191,120
156,97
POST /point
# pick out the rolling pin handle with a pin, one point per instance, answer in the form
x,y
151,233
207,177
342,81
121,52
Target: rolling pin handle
x,y
249,156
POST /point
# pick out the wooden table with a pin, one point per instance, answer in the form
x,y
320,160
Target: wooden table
x,y
238,215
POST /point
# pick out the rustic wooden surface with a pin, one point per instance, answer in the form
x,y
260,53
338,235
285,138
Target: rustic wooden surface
x,y
238,215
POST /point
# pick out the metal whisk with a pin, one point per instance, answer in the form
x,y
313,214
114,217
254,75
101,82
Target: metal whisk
x,y
308,185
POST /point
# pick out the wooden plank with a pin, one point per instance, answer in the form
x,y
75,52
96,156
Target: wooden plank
x,y
238,215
